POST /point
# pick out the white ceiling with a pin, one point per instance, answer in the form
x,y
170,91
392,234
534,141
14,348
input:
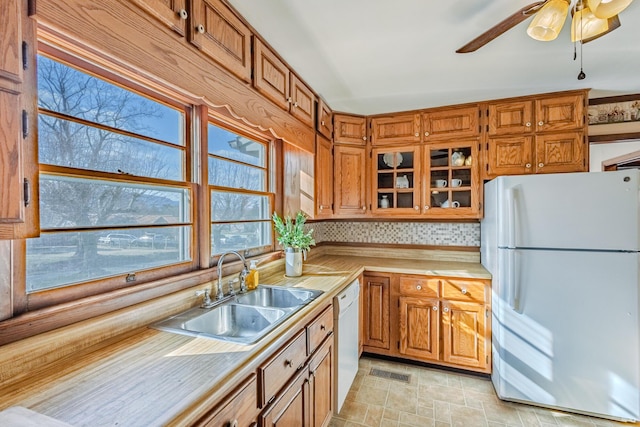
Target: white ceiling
x,y
378,56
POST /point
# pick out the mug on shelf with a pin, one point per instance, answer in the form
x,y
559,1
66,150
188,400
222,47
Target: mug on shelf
x,y
441,183
456,182
454,204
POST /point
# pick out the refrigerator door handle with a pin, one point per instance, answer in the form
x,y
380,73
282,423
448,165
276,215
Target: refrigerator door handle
x,y
512,194
514,286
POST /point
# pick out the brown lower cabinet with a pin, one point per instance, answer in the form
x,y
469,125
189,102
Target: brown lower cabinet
x,y
292,387
440,320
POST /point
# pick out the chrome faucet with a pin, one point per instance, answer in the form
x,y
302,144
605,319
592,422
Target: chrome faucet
x,y
243,275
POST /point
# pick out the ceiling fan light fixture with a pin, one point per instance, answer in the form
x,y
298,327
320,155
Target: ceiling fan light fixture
x,y
586,26
549,20
608,8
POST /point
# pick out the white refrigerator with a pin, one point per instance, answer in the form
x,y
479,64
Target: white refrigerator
x,y
563,250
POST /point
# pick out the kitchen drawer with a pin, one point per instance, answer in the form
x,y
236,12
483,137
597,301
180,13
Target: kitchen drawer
x,y
418,286
463,290
239,408
276,372
319,329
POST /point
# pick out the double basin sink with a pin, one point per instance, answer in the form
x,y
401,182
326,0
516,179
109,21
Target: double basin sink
x,y
244,318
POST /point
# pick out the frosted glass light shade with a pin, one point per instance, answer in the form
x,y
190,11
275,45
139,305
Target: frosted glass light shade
x,y
548,21
592,26
607,8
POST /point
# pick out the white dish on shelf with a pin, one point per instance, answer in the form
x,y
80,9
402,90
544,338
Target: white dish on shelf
x,y
388,159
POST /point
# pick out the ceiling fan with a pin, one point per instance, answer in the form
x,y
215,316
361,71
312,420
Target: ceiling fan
x,y
591,19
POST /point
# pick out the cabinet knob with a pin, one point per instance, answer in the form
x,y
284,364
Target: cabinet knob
x,y
364,138
322,327
426,207
434,308
364,208
540,165
322,123
183,14
295,104
288,363
200,29
446,309
418,287
540,123
321,207
289,100
426,134
417,207
233,423
464,291
417,134
528,165
528,124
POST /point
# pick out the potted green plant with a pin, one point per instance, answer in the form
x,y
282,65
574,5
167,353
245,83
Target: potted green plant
x,y
294,239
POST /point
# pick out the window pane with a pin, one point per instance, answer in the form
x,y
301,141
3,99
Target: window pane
x,y
227,174
66,90
58,259
65,143
238,207
223,143
239,236
74,202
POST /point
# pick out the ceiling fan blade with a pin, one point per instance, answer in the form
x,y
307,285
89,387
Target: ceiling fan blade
x,y
501,27
614,22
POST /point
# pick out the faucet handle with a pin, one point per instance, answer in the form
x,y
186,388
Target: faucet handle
x,y
206,302
231,283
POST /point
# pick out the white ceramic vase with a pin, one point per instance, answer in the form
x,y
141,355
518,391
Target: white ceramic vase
x,y
293,262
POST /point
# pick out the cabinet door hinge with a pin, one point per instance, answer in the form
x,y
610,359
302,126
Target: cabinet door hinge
x,y
25,124
486,167
398,345
486,358
31,7
25,55
26,188
486,310
487,112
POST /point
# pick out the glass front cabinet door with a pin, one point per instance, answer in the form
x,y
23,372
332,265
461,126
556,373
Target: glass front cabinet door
x,y
452,185
396,180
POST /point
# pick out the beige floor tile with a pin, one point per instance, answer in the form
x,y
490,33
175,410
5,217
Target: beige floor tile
x,y
353,411
391,414
374,415
443,393
442,424
388,423
478,385
416,420
462,416
493,424
431,377
442,411
403,399
453,381
501,413
426,411
372,396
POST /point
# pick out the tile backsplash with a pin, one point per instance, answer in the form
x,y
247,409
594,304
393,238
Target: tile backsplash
x,y
408,233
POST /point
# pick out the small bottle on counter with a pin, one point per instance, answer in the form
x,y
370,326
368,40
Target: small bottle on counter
x,y
252,276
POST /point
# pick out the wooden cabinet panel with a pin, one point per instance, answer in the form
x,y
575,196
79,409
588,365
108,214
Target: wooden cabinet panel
x,y
321,380
419,327
324,177
319,329
291,408
509,155
465,334
324,123
350,180
450,124
277,371
560,152
510,117
419,286
376,316
11,205
299,184
172,13
221,35
560,113
349,129
271,76
303,102
11,40
395,129
238,409
396,180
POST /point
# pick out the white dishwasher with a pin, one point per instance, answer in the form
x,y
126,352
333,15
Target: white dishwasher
x,y
346,312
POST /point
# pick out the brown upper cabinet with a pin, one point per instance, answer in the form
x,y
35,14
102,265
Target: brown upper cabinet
x,y
274,79
324,177
539,134
19,207
450,123
324,117
172,13
221,35
552,113
350,184
395,129
348,129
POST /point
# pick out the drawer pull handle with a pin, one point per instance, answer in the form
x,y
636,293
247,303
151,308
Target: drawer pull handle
x,y
464,291
200,29
322,327
288,363
183,14
418,287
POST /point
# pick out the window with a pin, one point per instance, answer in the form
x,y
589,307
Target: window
x,y
241,203
114,193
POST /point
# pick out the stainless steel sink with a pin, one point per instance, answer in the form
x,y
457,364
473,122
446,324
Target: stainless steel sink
x,y
243,324
278,296
244,319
